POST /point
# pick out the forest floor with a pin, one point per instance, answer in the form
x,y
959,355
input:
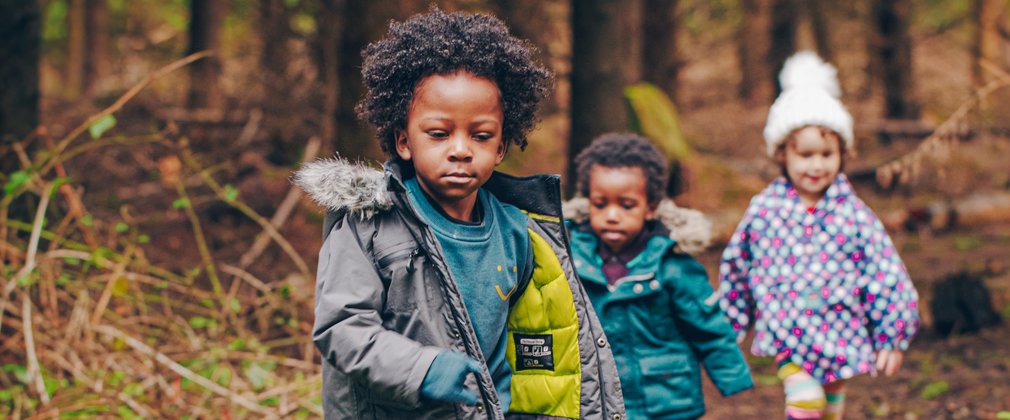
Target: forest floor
x,y
964,376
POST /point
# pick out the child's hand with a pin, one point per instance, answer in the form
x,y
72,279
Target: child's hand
x,y
446,378
888,361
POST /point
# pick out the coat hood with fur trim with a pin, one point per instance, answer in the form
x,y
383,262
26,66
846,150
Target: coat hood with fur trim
x,y
338,183
690,228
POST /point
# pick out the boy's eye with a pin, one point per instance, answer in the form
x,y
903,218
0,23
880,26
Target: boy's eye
x,y
599,204
484,136
628,206
439,134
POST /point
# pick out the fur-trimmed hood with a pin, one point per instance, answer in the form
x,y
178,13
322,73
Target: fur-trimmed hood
x,y
338,183
690,228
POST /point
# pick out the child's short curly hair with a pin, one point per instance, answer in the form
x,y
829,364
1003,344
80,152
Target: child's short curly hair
x,y
442,43
619,150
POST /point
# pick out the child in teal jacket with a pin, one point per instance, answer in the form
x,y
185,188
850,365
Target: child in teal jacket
x,y
657,307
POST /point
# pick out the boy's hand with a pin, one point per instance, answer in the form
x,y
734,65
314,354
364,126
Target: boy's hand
x,y
446,378
889,361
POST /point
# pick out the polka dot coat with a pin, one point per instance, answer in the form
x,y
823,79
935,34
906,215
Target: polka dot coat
x,y
823,285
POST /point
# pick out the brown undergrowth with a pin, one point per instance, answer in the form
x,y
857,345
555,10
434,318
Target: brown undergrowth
x,y
92,326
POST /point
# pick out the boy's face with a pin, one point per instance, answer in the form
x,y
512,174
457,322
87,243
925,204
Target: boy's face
x,y
812,160
453,138
618,204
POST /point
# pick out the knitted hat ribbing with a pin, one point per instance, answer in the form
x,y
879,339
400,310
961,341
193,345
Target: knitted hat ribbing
x,y
810,96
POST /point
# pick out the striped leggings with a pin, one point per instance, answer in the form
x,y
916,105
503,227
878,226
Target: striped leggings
x,y
806,398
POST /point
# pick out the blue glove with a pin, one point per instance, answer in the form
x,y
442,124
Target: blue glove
x,y
446,378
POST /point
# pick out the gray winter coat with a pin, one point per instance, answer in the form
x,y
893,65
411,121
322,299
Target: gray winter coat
x,y
386,304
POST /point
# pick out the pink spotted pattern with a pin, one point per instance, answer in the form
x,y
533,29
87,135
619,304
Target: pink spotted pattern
x,y
824,285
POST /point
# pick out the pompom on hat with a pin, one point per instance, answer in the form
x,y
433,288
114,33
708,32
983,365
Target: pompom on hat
x,y
810,96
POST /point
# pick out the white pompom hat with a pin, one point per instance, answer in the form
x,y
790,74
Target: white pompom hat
x,y
810,96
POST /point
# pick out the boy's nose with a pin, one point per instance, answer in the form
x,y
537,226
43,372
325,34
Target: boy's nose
x,y
459,148
613,215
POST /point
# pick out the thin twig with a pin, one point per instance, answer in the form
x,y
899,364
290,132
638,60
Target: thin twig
x,y
33,247
283,211
103,301
245,209
33,359
184,372
201,243
96,386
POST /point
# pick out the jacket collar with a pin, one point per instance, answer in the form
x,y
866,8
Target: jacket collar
x,y
338,183
838,192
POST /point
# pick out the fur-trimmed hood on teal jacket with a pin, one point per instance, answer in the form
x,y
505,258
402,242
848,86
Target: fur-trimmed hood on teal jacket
x,y
386,304
663,317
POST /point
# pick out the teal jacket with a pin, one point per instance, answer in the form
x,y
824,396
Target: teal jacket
x,y
663,321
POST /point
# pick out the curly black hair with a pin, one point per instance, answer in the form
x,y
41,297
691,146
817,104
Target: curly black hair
x,y
444,43
621,150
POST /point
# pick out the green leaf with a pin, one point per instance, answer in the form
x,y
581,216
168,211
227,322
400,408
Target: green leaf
x,y
934,390
236,344
122,227
201,322
1003,415
230,193
652,114
143,239
235,305
87,220
967,243
19,372
258,376
15,180
99,127
125,412
180,203
57,183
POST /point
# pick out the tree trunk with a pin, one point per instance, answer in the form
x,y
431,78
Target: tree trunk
x,y
894,51
597,90
331,21
784,21
661,60
528,19
205,34
820,14
370,20
20,42
96,61
757,79
992,37
76,45
274,34
631,52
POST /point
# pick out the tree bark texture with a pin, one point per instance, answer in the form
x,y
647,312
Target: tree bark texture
x,y
992,38
76,44
20,42
661,59
784,20
274,31
597,83
96,58
205,34
754,43
894,54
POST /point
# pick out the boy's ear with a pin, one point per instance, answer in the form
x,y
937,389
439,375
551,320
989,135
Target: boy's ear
x,y
401,145
653,211
502,148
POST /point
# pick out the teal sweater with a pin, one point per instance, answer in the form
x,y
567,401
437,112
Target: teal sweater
x,y
490,261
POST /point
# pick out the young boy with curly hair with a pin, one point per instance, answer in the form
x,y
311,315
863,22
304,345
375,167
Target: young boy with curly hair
x,y
444,289
654,300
